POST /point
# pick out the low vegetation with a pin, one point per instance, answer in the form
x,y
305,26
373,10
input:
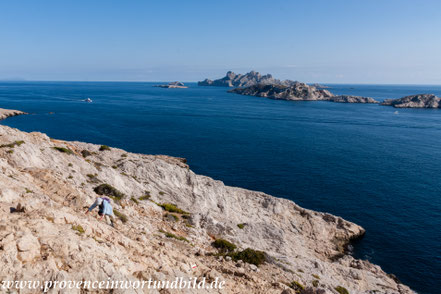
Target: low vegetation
x,y
226,248
104,148
296,286
146,196
172,217
120,215
86,153
171,235
172,208
134,200
315,283
78,228
223,245
341,290
241,226
249,255
12,145
108,190
63,150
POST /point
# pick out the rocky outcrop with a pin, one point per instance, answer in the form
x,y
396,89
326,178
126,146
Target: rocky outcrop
x,y
172,85
352,99
52,239
238,80
298,92
4,113
415,101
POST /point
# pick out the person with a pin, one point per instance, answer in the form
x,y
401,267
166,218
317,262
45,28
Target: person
x,y
104,209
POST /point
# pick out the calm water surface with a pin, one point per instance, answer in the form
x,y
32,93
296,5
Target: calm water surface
x,y
367,163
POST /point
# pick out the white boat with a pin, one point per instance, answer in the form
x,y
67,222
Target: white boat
x,y
88,100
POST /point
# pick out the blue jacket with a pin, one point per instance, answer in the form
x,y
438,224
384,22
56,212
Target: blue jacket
x,y
104,205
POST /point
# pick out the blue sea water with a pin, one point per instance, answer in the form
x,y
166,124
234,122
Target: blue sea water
x,y
374,165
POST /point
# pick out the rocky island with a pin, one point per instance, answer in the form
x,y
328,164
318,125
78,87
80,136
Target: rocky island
x,y
173,85
171,223
298,92
5,113
238,80
415,101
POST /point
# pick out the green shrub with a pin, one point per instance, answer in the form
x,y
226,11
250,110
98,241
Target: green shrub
x,y
161,193
104,148
10,151
170,235
124,155
12,145
134,200
341,290
28,190
70,164
63,150
172,208
108,190
249,256
78,228
223,245
86,153
120,215
316,276
241,226
315,283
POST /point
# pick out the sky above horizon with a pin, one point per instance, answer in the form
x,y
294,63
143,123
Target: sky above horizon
x,y
388,42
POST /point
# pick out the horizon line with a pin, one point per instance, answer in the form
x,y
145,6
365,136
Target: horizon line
x,y
147,81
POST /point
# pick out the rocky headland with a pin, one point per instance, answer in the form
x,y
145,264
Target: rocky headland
x,y
5,113
320,86
172,85
171,223
415,101
298,92
252,78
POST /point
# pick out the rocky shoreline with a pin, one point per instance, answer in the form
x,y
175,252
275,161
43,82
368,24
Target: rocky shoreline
x,y
170,220
5,113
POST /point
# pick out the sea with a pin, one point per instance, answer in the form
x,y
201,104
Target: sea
x,y
377,166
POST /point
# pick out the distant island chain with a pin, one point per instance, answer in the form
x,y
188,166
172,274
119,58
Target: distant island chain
x,y
255,84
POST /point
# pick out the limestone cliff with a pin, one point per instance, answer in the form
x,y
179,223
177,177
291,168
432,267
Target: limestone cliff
x,y
47,184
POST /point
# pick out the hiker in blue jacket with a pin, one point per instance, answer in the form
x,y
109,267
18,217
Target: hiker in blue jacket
x,y
104,209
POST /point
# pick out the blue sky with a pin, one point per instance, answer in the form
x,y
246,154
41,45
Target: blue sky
x,y
313,41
